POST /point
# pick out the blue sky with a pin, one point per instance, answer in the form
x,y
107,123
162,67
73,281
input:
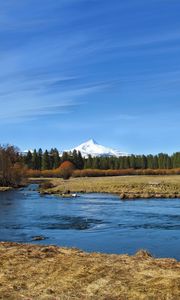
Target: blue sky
x,y
71,70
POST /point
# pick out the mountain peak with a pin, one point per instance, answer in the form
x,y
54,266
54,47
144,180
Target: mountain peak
x,y
91,147
91,141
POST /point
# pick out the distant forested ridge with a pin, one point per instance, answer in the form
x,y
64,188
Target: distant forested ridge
x,y
48,160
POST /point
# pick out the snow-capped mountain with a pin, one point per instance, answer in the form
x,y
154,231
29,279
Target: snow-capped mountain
x,y
94,149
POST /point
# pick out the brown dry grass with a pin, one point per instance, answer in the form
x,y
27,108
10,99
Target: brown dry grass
x,y
40,272
131,186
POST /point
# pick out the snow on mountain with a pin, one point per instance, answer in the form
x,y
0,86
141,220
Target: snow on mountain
x,y
25,152
94,149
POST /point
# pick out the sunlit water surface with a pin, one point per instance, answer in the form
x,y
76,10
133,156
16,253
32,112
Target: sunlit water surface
x,y
92,222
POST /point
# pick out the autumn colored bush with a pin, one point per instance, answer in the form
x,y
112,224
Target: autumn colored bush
x,y
33,173
18,174
66,169
124,172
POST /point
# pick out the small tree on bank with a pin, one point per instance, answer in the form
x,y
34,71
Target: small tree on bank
x,y
11,170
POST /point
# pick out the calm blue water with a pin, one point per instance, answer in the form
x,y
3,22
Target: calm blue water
x,y
92,222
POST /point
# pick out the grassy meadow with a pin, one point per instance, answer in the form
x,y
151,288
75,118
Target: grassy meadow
x,y
126,186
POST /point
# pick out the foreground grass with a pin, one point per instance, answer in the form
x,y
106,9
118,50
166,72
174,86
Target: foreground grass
x,y
40,272
126,186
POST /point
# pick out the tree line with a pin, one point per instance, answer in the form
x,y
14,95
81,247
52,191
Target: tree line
x,y
15,167
49,160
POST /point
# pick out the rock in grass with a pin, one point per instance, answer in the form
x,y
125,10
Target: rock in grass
x,y
38,238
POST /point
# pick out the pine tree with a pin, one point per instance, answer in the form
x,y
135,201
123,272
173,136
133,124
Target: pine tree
x,y
150,161
28,159
57,159
96,163
155,162
75,158
169,163
35,160
54,158
89,162
121,162
65,156
45,161
176,160
161,160
126,162
132,162
80,162
40,153
144,162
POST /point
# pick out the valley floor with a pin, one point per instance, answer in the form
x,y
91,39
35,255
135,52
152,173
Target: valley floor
x,y
127,187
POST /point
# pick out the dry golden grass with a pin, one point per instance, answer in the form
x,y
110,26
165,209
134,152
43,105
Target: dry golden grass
x,y
40,272
5,188
129,186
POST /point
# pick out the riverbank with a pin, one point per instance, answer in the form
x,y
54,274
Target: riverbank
x,y
127,187
5,188
41,272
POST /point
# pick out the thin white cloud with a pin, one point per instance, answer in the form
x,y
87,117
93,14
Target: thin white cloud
x,y
24,94
24,106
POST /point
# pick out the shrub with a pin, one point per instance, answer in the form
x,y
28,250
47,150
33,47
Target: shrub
x,y
66,169
11,170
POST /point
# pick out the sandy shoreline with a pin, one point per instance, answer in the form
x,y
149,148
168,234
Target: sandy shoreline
x,y
50,272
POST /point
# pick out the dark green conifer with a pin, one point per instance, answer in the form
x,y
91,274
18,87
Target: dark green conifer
x,y
45,161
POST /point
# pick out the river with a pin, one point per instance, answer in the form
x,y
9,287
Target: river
x,y
92,222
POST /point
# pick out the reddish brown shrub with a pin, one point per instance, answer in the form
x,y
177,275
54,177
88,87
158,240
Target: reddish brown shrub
x,y
67,165
66,169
